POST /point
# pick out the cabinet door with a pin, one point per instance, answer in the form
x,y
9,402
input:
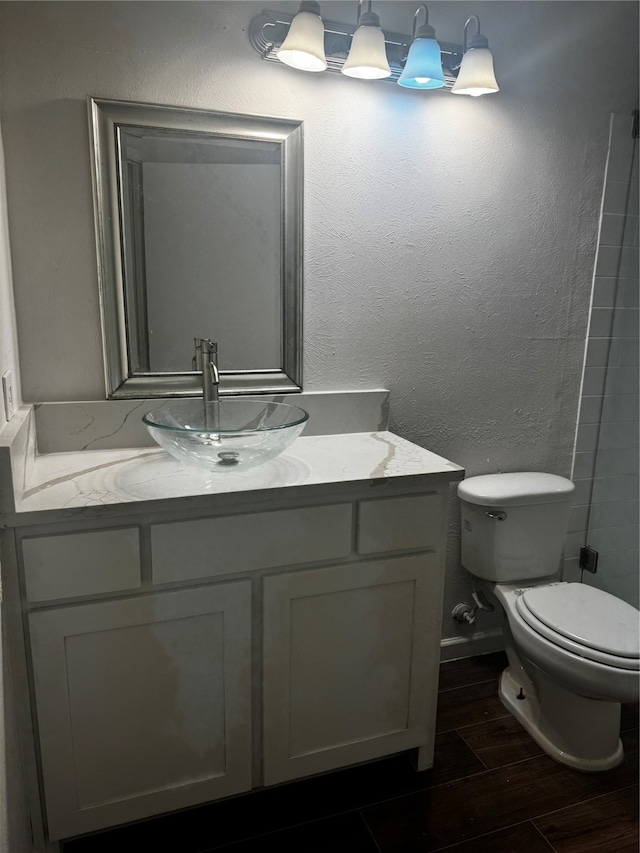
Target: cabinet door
x,y
350,663
143,704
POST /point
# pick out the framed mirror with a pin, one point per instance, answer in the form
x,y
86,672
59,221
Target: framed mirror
x,y
199,234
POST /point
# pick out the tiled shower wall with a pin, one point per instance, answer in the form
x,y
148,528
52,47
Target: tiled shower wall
x,y
605,468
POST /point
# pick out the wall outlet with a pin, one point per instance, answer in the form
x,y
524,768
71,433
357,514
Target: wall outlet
x,y
8,393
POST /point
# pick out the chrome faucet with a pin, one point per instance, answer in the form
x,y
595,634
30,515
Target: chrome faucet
x,y
206,361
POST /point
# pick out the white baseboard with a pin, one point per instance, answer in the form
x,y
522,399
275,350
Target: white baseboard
x,y
478,643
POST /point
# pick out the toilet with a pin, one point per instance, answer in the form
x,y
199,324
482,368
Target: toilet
x,y
573,650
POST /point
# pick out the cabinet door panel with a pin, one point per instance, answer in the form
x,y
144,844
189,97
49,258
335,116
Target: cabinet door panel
x,y
143,704
351,659
365,653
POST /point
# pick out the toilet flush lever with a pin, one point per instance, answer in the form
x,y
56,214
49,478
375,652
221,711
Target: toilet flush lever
x,y
498,516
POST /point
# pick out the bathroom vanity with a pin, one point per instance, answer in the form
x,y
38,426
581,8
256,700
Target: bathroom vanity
x,y
185,636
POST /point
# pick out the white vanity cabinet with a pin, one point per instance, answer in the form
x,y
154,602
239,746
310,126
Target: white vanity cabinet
x,y
143,704
350,663
184,656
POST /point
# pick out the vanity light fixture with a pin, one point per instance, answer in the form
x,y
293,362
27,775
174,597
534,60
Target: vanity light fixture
x,y
303,48
423,69
269,36
476,75
367,57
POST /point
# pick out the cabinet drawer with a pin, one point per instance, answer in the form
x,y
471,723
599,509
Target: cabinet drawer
x,y
78,564
240,543
399,524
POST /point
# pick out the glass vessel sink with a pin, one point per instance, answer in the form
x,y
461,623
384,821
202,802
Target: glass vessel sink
x,y
228,435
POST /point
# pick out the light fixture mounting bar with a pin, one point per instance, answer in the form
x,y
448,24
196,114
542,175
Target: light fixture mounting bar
x,y
268,30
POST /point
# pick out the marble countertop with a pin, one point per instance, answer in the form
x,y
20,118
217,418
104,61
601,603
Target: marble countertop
x,y
90,483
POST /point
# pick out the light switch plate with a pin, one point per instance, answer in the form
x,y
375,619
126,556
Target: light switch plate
x,y
9,395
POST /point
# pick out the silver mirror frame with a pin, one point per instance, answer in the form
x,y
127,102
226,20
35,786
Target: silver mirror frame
x,y
105,119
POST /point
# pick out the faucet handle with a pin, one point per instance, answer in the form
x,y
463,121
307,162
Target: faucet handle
x,y
205,348
205,344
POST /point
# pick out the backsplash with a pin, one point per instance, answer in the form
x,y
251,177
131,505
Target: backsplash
x,y
108,424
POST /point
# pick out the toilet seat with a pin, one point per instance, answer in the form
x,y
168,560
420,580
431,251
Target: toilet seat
x,y
585,621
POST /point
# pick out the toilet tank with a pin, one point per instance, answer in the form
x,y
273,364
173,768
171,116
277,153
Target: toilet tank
x,y
513,525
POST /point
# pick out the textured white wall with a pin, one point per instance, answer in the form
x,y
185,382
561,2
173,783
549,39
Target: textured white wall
x,y
449,241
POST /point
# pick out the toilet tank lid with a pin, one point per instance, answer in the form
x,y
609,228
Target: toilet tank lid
x,y
517,489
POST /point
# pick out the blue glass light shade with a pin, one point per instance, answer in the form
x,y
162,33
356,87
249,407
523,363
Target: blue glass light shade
x,y
424,66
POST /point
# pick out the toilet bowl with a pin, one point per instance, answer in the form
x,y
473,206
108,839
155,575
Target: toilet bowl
x,y
567,693
573,650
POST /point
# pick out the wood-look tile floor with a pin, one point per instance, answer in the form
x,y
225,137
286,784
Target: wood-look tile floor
x,y
492,790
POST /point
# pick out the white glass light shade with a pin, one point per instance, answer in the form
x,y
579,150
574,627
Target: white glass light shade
x,y
367,58
476,75
423,69
303,47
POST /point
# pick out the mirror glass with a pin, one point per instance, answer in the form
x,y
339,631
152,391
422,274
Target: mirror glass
x,y
199,235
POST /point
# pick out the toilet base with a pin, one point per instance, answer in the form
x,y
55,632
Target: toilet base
x,y
578,732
